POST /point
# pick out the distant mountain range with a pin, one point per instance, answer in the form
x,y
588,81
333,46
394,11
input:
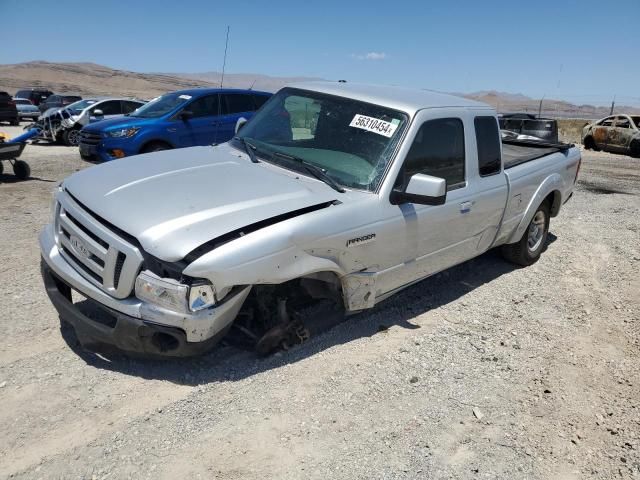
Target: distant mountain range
x,y
92,79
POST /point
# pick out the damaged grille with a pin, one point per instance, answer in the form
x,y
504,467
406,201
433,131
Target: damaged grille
x,y
97,253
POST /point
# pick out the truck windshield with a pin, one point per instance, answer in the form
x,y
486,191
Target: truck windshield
x,y
350,140
161,105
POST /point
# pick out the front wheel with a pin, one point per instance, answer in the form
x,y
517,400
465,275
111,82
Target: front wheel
x,y
71,138
155,147
590,144
527,250
634,149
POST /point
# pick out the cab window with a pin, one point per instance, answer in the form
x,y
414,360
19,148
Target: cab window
x,y
437,150
488,142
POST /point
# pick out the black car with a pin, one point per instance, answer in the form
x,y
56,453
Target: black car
x,y
8,110
529,124
36,95
58,101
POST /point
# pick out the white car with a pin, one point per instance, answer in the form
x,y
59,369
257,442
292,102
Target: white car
x,y
63,125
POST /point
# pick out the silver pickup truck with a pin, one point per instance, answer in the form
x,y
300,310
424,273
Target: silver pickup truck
x,y
334,194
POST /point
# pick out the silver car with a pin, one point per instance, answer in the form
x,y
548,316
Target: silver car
x,y
26,109
333,195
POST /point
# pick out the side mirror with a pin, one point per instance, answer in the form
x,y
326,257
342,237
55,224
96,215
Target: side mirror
x,y
98,113
185,115
240,123
423,190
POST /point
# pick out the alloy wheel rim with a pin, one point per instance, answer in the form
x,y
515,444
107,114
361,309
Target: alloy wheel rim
x,y
536,231
74,137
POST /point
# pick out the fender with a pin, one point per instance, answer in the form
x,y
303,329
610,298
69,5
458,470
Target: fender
x,y
552,184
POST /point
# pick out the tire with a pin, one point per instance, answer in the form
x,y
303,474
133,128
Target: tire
x,y
14,122
71,137
527,250
21,169
590,144
634,149
155,147
1,168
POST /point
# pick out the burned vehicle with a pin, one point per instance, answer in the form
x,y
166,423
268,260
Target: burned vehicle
x,y
64,125
615,133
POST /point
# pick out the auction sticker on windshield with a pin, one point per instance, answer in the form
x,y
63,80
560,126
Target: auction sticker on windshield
x,y
374,125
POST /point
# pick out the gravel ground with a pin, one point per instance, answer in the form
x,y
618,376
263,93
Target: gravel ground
x,y
485,371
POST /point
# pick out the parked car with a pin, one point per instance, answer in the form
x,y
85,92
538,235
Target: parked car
x,y
174,120
64,125
35,94
381,188
8,110
58,101
616,133
529,124
26,109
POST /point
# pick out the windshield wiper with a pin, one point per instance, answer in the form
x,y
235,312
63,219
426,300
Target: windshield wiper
x,y
314,170
249,149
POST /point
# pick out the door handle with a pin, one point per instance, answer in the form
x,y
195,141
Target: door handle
x,y
465,207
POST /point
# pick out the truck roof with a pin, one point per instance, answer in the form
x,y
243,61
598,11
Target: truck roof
x,y
409,100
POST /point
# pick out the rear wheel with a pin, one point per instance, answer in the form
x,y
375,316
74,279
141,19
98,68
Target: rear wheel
x,y
1,168
15,122
71,138
527,250
634,149
155,147
21,169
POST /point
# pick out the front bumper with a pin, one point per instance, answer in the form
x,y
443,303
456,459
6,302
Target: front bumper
x,y
103,151
132,324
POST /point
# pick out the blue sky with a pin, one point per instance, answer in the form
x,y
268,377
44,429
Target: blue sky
x,y
558,48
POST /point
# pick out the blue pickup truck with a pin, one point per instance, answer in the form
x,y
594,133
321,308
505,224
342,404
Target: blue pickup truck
x,y
185,118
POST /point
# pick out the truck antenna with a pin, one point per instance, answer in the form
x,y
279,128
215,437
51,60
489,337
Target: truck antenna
x,y
253,83
224,62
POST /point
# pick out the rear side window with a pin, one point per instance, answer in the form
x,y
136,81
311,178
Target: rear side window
x,y
259,100
23,94
128,107
488,142
111,107
438,150
238,102
204,106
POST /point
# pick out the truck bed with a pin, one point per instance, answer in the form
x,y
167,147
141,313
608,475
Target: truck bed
x,y
517,152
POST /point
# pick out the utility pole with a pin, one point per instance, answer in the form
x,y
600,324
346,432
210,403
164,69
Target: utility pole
x,y
613,104
224,62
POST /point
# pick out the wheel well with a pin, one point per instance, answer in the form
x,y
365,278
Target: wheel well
x,y
152,142
554,200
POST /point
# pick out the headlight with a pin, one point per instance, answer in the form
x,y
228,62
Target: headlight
x,y
173,295
124,132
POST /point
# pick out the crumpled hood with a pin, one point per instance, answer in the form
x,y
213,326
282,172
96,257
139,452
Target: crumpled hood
x,y
174,201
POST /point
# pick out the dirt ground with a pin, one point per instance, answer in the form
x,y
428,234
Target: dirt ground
x,y
484,371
